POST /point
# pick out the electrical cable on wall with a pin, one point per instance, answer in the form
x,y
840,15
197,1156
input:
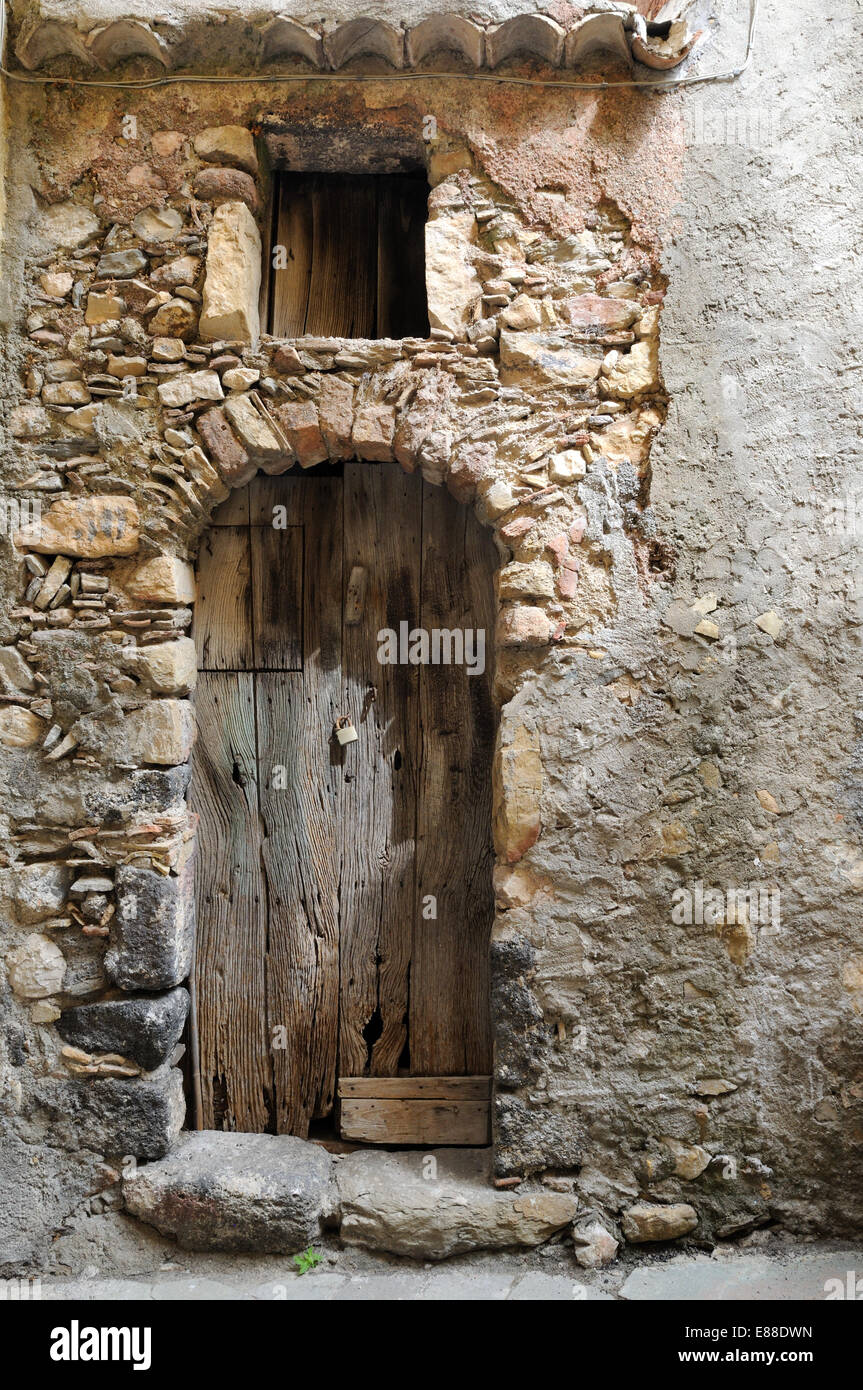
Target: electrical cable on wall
x,y
143,84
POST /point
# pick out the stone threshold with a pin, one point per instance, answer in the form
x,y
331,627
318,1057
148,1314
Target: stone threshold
x,y
276,1194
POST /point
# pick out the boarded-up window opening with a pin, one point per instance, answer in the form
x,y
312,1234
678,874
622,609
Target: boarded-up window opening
x,y
354,253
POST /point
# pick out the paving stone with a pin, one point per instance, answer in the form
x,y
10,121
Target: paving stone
x,y
745,1278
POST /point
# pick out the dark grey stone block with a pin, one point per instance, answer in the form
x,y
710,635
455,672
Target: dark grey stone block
x,y
145,1029
153,929
236,1192
139,1118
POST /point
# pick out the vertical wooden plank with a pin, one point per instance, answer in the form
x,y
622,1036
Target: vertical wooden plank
x,y
222,626
277,597
342,292
268,187
296,714
236,1073
449,1018
382,534
234,511
293,230
401,289
268,492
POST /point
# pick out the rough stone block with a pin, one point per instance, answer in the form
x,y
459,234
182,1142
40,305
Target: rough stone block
x,y
374,428
227,144
302,429
517,776
387,1203
102,308
157,224
533,580
647,1222
65,393
145,1029
39,891
176,319
336,414
594,1245
169,667
523,626
256,433
635,371
548,356
164,579
66,226
597,314
233,280
162,732
19,727
140,1118
121,265
225,449
264,1193
226,186
523,313
152,930
183,270
86,527
36,967
16,676
472,463
453,286
190,386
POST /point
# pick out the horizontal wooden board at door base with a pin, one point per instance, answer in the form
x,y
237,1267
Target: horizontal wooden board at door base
x,y
415,1087
432,1122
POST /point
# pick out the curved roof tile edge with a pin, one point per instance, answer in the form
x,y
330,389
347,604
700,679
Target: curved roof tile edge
x,y
616,28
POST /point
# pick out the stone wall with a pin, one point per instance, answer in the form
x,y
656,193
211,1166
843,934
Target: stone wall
x,y
681,1072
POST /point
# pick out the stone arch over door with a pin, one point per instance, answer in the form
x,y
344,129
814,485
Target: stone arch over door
x,y
316,959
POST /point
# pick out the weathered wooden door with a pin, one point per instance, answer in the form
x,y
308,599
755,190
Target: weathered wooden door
x,y
344,893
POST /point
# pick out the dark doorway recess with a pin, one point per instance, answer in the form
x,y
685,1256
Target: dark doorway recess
x,y
355,252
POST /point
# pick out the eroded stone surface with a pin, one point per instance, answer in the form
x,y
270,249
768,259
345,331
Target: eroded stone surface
x,y
36,967
233,281
648,1222
153,929
388,1203
145,1029
237,1192
87,527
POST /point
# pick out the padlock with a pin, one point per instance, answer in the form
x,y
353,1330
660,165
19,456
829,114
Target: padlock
x,y
345,731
